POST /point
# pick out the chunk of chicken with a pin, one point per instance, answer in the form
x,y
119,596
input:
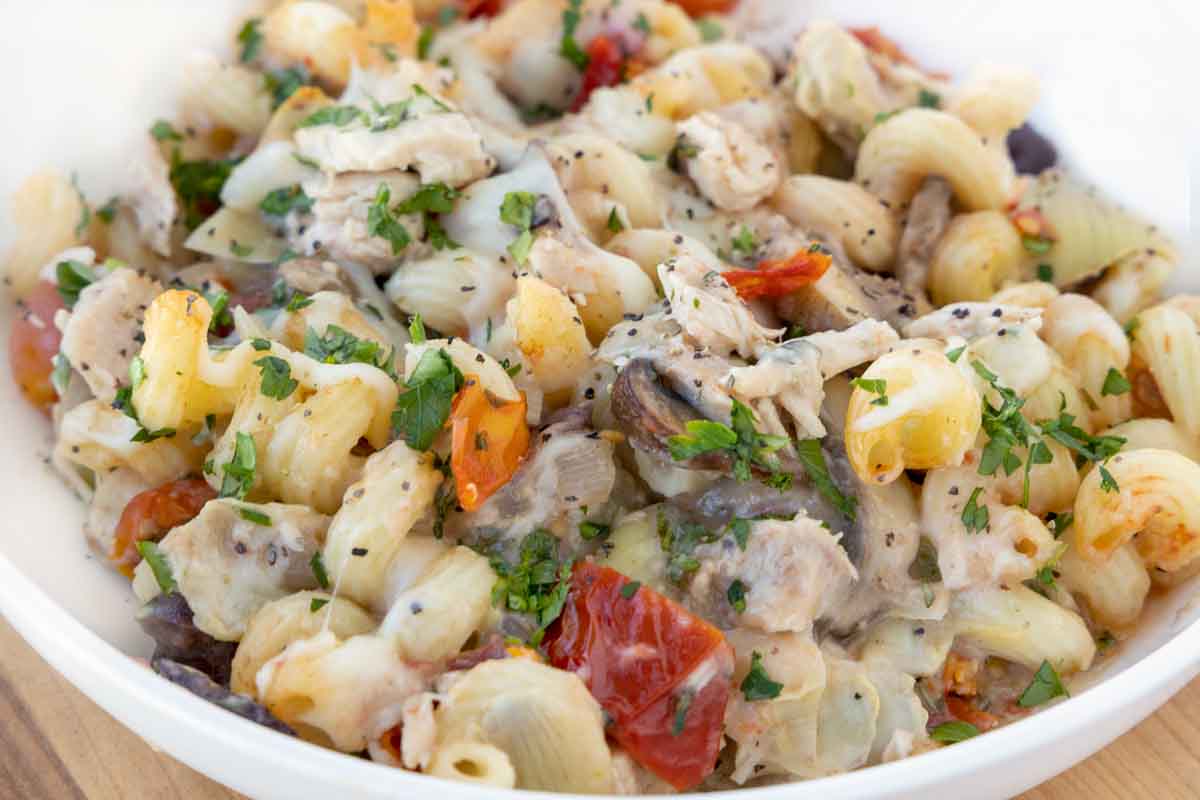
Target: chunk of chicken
x,y
796,572
709,310
228,566
972,321
340,225
731,167
114,489
104,331
153,198
835,302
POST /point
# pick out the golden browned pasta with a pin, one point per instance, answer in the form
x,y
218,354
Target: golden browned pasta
x,y
978,254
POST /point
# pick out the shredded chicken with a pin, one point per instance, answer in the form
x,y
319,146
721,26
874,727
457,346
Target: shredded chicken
x,y
731,167
104,331
340,225
972,320
796,569
928,215
709,310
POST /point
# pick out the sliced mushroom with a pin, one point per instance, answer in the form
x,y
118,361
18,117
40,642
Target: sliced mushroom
x,y
649,413
203,687
167,619
835,302
928,215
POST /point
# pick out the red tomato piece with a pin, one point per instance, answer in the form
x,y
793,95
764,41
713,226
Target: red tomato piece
x,y
152,513
874,39
780,277
698,8
33,343
1031,222
661,673
481,8
964,709
605,61
488,439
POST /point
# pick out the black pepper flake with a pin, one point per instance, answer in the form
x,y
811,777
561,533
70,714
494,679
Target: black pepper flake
x,y
998,313
416,608
479,357
589,393
961,313
405,486
240,548
358,551
633,331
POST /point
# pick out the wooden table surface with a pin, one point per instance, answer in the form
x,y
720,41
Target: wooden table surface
x,y
56,744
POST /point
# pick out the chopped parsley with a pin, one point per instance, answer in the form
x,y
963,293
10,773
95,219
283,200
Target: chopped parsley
x,y
736,594
757,685
683,704
1047,574
73,277
283,83
1131,328
1037,245
744,242
260,344
429,200
317,604
425,41
250,515
568,48
811,456
517,210
1114,383
1107,482
925,569
137,372
1045,687
198,184
381,223
164,131
614,221
710,31
589,531
239,471
955,354
953,732
239,250
740,530
742,441
317,565
277,380
1096,449
975,517
341,116
251,39
641,23
108,212
148,549
60,376
630,589
1007,429
873,386
123,402
928,99
280,202
679,540
1045,273
537,584
416,330
338,346
422,410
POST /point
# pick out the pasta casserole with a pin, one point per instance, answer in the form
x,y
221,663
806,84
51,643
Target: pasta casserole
x,y
612,396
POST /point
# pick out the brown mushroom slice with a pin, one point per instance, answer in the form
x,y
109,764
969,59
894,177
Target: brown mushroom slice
x,y
649,414
835,302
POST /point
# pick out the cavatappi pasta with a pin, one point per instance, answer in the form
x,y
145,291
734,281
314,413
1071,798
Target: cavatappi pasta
x,y
566,395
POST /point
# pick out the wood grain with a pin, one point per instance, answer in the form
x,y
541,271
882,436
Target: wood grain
x,y
58,745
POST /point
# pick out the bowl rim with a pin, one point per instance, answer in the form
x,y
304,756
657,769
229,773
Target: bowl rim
x,y
88,661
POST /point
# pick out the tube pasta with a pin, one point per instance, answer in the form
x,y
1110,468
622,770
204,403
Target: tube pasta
x,y
543,720
377,512
931,419
605,179
290,619
844,214
1157,434
1092,344
1018,624
433,288
1114,591
549,334
1009,549
45,211
703,78
432,619
901,152
1154,507
1088,232
1168,342
977,255
474,762
256,416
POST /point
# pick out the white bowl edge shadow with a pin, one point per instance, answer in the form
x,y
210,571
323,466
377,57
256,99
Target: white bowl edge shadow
x,y
78,615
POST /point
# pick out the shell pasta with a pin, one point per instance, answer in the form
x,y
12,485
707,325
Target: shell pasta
x,y
612,397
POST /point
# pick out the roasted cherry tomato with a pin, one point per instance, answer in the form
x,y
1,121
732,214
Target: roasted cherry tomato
x,y
698,8
33,344
662,674
488,438
964,709
781,277
480,8
152,513
605,62
873,39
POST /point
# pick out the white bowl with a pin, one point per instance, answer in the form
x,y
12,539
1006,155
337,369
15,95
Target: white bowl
x,y
86,78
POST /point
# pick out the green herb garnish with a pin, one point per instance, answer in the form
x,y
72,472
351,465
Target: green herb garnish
x,y
757,685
